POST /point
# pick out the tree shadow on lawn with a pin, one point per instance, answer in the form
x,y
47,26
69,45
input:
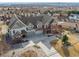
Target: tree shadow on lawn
x,y
65,51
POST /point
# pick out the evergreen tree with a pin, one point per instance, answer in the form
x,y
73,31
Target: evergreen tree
x,y
65,39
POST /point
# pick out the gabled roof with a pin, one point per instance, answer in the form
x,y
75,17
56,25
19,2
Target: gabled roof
x,y
34,19
22,21
18,25
15,23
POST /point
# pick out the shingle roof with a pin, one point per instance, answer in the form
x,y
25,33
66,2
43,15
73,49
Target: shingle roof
x,y
31,19
34,19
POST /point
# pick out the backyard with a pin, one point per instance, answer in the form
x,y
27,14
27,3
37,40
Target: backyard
x,y
68,51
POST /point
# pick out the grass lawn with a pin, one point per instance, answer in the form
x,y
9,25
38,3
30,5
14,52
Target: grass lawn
x,y
3,31
71,51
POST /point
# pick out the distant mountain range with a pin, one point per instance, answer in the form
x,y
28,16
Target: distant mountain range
x,y
39,4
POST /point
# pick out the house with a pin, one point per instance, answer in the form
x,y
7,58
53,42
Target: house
x,y
28,23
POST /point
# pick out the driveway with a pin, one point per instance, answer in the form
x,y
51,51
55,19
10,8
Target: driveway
x,y
36,37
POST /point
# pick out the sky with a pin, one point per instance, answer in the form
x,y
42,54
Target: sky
x,y
39,0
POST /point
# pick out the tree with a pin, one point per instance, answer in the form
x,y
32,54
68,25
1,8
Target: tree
x,y
65,39
73,12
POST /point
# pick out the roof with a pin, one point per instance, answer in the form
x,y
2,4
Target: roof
x,y
34,19
22,21
14,21
34,51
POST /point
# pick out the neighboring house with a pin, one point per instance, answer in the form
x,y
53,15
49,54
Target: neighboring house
x,y
74,17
